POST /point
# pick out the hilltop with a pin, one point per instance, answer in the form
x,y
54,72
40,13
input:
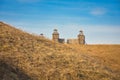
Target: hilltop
x,y
24,56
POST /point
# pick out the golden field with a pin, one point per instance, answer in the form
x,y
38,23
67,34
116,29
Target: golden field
x,y
108,53
24,56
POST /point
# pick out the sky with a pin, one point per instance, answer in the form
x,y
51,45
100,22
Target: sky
x,y
99,19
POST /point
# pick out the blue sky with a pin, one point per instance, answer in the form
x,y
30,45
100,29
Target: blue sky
x,y
99,19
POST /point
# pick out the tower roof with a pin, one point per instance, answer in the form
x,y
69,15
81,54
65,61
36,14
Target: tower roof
x,y
81,32
41,34
55,31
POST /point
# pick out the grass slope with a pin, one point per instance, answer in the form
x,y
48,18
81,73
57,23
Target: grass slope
x,y
108,54
27,57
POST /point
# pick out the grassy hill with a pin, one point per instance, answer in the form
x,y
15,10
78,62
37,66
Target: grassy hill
x,y
108,54
28,57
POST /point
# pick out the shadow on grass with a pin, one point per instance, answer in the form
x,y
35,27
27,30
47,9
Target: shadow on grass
x,y
8,72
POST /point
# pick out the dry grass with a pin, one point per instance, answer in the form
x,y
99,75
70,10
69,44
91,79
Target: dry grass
x,y
30,57
108,54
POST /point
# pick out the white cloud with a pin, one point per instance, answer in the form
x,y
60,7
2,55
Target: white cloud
x,y
98,11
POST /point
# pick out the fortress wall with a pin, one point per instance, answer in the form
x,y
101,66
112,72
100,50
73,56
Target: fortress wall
x,y
72,41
